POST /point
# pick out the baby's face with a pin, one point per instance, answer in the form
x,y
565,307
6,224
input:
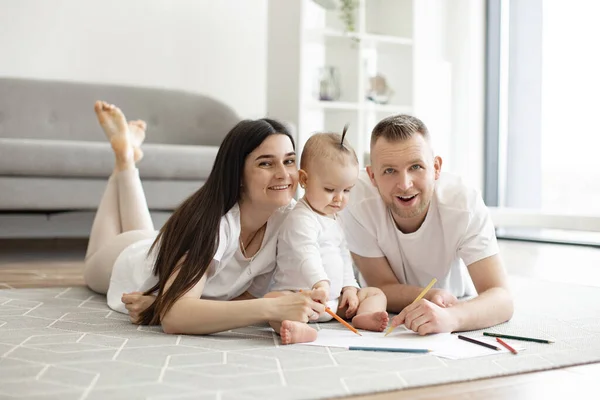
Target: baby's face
x,y
328,185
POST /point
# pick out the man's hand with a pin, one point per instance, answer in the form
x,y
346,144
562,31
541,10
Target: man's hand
x,y
320,292
135,303
350,299
424,317
441,297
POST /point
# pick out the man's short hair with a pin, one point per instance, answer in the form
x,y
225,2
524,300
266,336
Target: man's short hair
x,y
398,128
327,146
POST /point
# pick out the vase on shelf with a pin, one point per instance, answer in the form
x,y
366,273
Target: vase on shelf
x,y
328,84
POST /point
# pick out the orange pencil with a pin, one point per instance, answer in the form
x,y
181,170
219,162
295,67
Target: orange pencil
x,y
341,321
503,343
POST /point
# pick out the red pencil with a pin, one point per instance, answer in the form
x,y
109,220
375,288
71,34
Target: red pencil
x,y
503,343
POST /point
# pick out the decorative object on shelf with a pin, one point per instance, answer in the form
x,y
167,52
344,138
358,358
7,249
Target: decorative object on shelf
x,y
378,91
328,84
347,10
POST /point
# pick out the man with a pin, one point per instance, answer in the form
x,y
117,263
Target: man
x,y
408,223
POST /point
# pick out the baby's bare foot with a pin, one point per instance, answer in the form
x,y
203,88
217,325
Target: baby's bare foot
x,y
376,321
296,332
137,129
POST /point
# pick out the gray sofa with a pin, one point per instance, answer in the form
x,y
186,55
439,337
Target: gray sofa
x,y
55,159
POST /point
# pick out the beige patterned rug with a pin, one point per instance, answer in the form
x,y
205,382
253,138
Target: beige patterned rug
x,y
64,343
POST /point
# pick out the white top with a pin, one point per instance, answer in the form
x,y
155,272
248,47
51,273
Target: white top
x,y
312,248
457,231
230,275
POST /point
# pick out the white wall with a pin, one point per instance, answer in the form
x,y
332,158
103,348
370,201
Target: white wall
x,y
450,96
212,47
465,50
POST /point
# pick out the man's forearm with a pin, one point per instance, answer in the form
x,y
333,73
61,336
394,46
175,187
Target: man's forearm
x,y
491,307
399,295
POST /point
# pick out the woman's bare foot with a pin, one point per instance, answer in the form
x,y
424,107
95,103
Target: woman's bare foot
x,y
296,332
137,129
115,127
111,119
376,322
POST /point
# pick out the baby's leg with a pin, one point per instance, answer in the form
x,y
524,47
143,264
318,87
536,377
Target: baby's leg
x,y
291,331
371,314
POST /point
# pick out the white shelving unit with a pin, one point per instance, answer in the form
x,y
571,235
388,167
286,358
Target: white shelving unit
x,y
304,37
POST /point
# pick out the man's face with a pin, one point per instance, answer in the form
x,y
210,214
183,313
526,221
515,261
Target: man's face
x,y
404,173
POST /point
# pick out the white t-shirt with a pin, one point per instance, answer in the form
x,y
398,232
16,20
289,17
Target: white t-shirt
x,y
312,248
230,275
457,231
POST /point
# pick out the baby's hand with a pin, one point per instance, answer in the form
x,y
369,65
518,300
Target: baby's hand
x,y
320,294
350,299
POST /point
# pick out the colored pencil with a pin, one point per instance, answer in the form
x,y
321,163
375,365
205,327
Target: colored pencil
x,y
389,349
341,321
503,343
526,339
419,297
475,341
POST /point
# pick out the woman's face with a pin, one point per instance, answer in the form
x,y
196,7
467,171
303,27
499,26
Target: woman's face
x,y
270,173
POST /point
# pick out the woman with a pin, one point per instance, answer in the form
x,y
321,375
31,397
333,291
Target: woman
x,y
219,244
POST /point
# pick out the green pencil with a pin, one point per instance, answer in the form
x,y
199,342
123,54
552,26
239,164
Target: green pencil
x,y
526,339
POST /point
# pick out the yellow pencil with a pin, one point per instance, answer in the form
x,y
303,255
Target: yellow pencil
x,y
419,297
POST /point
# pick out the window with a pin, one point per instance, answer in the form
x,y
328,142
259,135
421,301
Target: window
x,y
543,133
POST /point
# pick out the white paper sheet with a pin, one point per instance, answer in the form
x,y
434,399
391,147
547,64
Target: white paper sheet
x,y
443,345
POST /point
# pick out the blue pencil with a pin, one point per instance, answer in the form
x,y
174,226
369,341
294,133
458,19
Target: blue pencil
x,y
390,349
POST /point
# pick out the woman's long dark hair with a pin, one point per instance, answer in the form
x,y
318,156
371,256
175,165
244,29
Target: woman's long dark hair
x,y
189,239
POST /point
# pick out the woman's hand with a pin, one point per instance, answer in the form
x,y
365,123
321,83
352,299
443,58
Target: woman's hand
x,y
296,307
135,303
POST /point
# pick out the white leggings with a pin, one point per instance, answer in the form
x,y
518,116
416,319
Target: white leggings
x,y
122,218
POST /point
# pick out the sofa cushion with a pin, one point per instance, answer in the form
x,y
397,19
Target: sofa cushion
x,y
68,158
51,194
40,109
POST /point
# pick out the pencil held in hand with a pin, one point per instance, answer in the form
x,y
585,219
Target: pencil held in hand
x,y
419,297
341,321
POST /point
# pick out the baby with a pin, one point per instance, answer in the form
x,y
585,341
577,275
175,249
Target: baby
x,y
311,249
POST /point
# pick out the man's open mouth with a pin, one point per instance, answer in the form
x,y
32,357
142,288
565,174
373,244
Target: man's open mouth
x,y
406,199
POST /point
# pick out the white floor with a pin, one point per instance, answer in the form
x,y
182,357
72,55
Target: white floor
x,y
552,262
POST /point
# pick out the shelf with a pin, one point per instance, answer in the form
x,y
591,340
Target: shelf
x,y
373,38
387,108
370,38
334,105
367,106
